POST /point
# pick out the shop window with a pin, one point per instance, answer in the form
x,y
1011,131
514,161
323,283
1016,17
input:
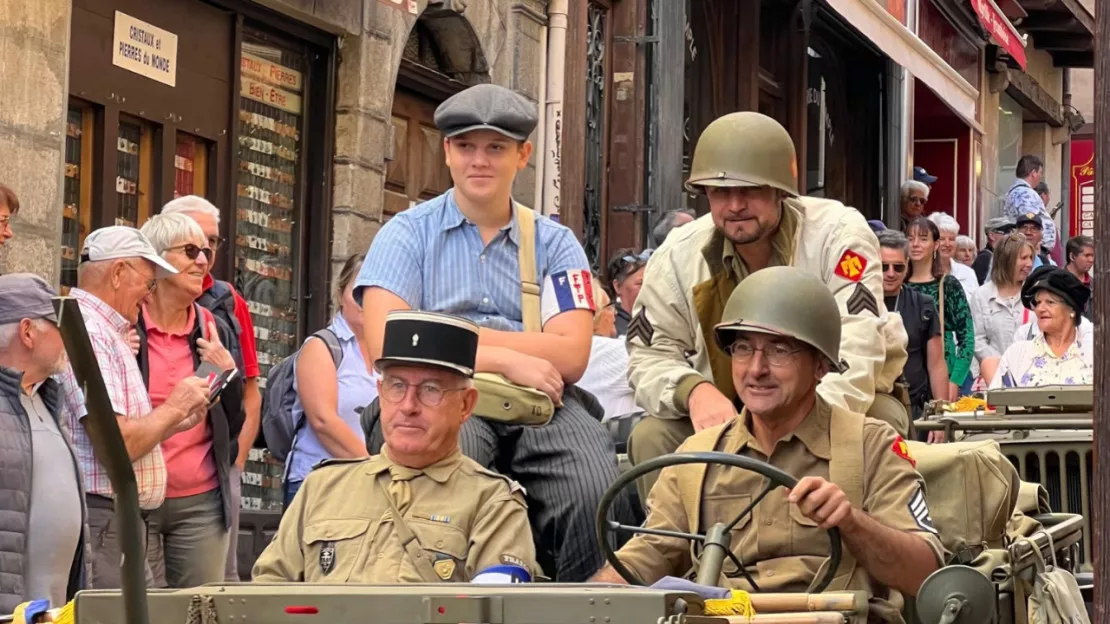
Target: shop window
x,y
267,194
77,188
1009,148
190,165
134,163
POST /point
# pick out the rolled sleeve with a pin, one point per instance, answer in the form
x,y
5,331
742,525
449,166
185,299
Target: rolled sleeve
x,y
651,557
502,535
246,337
895,490
394,262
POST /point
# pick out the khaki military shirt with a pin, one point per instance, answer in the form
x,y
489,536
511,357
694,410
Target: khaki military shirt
x,y
340,527
782,548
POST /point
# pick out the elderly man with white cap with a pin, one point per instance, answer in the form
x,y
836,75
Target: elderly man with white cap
x,y
119,268
42,536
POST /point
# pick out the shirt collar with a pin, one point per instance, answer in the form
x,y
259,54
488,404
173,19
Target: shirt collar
x,y
342,330
1020,182
782,243
148,320
105,311
208,282
453,218
439,472
1073,353
813,431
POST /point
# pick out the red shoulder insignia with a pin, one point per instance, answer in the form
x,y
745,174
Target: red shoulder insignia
x,y
901,449
851,266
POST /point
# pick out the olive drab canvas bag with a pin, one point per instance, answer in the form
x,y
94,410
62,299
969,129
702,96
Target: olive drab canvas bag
x,y
498,398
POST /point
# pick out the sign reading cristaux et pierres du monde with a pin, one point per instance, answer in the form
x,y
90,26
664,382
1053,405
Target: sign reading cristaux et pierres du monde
x,y
145,49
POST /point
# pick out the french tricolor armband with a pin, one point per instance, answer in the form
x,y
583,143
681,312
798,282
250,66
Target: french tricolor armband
x,y
502,574
565,291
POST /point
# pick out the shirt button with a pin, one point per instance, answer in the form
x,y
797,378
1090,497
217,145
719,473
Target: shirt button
x,y
485,299
439,544
380,555
768,522
770,572
482,257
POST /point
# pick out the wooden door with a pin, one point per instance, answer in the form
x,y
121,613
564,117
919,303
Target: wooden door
x,y
418,171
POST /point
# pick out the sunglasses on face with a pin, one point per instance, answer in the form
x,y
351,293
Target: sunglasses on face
x,y
191,251
920,201
899,267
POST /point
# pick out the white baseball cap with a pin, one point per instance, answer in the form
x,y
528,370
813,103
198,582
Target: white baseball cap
x,y
118,242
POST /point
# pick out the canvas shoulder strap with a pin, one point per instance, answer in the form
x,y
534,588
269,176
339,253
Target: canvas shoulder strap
x,y
691,477
408,540
529,287
846,470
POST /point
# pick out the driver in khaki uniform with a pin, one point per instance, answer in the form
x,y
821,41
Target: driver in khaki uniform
x,y
420,511
745,165
782,331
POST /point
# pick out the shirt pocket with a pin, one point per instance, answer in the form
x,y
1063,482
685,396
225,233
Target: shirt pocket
x,y
445,547
724,509
806,535
333,548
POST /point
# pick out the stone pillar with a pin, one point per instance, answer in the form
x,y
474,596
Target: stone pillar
x,y
34,59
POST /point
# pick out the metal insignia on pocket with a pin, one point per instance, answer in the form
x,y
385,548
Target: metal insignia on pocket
x,y
327,557
445,568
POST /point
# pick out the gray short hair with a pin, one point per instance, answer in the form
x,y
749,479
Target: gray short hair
x,y
893,239
166,230
945,223
914,185
666,224
9,330
965,242
191,203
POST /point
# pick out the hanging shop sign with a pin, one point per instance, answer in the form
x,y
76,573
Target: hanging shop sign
x,y
145,49
1082,201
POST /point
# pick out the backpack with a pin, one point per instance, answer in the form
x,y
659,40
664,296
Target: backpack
x,y
278,427
220,300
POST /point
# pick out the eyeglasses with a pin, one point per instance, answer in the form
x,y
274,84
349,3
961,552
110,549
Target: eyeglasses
x,y
898,267
777,354
920,201
150,284
4,222
431,395
192,251
642,257
216,241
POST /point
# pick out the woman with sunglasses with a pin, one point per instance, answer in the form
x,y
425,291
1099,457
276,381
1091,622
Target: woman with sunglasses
x,y
957,325
925,372
996,305
626,275
188,534
914,197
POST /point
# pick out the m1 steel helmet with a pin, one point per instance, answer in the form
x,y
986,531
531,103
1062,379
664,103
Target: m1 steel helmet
x,y
744,149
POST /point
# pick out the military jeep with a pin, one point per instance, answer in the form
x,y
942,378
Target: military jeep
x,y
991,589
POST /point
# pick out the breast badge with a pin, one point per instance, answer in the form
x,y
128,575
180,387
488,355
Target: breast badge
x,y
327,557
445,568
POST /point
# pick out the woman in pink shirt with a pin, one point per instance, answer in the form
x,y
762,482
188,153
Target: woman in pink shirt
x,y
189,533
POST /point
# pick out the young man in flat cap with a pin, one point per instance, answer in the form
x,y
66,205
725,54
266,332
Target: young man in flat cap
x,y
459,254
420,511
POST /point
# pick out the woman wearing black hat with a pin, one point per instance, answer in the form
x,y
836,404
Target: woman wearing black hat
x,y
1058,355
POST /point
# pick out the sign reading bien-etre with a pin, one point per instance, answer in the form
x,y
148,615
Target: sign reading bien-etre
x,y
145,49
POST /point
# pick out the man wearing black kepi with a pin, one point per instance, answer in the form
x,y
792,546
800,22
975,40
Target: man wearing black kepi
x,y
420,512
525,280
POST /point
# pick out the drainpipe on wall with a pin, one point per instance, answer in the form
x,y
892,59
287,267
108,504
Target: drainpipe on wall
x,y
553,104
541,129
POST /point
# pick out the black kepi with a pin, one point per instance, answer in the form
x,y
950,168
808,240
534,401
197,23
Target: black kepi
x,y
429,339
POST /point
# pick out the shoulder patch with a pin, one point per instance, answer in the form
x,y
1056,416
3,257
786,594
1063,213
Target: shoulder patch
x,y
862,300
851,266
565,291
919,509
901,449
640,328
334,461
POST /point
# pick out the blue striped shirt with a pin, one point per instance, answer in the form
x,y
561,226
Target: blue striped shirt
x,y
433,257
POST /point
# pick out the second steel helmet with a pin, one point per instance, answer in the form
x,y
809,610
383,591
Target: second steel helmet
x,y
744,149
784,301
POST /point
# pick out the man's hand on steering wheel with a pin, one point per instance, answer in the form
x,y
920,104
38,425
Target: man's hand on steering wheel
x,y
823,502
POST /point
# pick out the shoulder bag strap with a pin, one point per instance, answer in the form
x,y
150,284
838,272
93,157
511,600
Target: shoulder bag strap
x,y
846,471
408,540
529,287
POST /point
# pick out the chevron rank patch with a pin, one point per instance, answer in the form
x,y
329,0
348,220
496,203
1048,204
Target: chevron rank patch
x,y
851,266
640,328
862,300
919,509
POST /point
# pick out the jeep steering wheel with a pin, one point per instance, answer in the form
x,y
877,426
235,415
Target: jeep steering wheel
x,y
715,542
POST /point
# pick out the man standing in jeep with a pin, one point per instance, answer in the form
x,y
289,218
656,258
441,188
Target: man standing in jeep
x,y
746,166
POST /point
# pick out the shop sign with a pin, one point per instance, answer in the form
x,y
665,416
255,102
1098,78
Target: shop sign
x,y
145,49
1000,29
1082,201
267,94
268,71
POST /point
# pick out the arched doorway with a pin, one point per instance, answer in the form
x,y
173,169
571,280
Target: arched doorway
x,y
441,57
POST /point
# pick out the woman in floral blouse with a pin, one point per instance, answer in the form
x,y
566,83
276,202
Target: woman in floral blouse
x,y
1057,355
957,324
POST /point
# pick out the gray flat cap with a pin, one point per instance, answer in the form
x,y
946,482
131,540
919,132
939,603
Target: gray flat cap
x,y
25,296
999,224
487,107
